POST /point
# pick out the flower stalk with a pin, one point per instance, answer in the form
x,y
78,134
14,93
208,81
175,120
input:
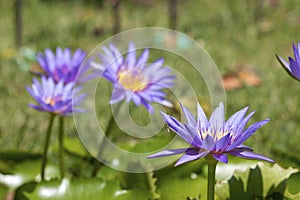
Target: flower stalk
x,y
47,141
97,164
212,164
61,146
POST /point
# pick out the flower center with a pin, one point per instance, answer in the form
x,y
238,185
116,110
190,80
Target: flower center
x,y
133,80
216,135
50,101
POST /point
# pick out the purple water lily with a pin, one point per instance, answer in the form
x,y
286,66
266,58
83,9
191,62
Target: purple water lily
x,y
55,97
215,136
62,65
133,79
293,67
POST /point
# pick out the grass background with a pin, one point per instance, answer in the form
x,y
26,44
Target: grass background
x,y
235,33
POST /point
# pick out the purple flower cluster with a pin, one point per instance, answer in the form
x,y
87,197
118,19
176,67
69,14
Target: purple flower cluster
x,y
54,93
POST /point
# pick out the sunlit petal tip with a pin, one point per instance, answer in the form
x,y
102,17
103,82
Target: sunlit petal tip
x,y
166,103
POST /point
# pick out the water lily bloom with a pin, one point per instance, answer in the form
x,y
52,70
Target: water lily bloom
x,y
215,137
134,79
54,97
61,65
293,67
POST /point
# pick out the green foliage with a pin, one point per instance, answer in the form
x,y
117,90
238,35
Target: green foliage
x,y
260,182
91,188
235,33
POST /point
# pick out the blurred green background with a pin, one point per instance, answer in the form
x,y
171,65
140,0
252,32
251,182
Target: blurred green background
x,y
237,34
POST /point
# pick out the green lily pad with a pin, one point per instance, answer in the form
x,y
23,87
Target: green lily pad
x,y
17,156
91,188
26,171
293,186
260,182
74,146
3,191
182,181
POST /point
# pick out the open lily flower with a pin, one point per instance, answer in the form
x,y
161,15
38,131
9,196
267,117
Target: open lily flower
x,y
293,67
55,97
61,65
134,79
215,136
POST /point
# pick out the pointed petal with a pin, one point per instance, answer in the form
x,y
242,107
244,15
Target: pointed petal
x,y
223,142
296,53
216,120
172,122
201,118
285,64
188,115
235,119
117,95
131,55
250,155
247,133
208,143
168,153
190,155
143,58
221,157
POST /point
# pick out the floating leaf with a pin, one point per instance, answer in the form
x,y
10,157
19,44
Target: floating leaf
x,y
16,156
293,186
73,145
91,188
185,181
258,183
3,191
22,167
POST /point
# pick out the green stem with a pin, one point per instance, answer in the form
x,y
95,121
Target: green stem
x,y
108,132
212,164
45,151
61,146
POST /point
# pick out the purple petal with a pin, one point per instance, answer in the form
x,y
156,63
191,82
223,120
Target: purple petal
x,y
221,157
193,136
136,99
190,155
285,64
223,142
143,58
247,133
201,118
188,115
116,54
173,123
208,143
243,123
295,67
296,53
243,148
131,55
168,153
235,119
216,120
117,95
250,155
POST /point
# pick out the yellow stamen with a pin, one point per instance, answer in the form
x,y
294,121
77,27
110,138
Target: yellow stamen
x,y
50,101
133,80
